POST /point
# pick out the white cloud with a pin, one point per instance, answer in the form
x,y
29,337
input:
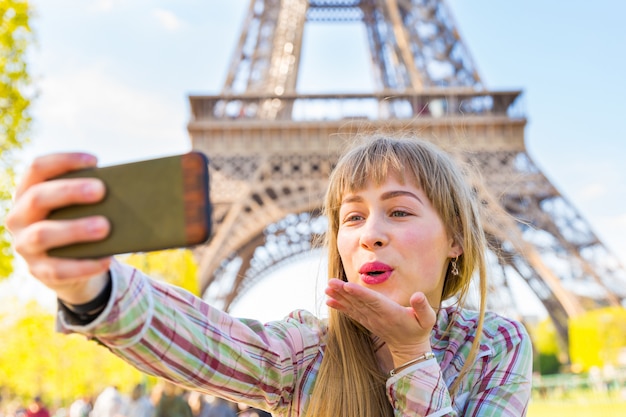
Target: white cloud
x,y
103,5
611,230
621,220
87,109
593,191
167,19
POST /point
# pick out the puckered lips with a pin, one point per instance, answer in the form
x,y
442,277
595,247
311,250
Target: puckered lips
x,y
373,273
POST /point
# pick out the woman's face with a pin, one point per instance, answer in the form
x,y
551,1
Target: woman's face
x,y
392,240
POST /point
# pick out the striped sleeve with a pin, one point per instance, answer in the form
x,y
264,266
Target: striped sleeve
x,y
503,386
419,390
166,331
498,382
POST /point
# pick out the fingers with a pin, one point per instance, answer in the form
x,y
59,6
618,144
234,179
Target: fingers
x,y
348,297
36,202
59,273
50,166
74,281
364,305
34,234
406,330
39,237
36,197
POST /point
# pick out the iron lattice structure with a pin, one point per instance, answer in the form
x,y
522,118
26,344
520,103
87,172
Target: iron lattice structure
x,y
272,149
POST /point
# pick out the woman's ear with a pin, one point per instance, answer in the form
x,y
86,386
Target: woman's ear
x,y
456,249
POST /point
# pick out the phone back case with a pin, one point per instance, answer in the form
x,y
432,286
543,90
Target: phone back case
x,y
151,205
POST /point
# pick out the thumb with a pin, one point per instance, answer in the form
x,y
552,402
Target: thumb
x,y
424,313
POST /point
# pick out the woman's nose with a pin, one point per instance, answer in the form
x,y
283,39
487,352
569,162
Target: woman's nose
x,y
374,234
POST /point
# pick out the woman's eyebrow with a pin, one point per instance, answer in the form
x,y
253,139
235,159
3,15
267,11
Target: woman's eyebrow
x,y
400,193
352,198
355,198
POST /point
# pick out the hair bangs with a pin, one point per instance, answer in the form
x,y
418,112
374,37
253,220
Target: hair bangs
x,y
374,163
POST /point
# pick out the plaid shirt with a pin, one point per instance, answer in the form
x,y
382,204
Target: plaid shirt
x,y
166,331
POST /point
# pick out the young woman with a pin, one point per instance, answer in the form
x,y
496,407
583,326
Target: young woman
x,y
404,242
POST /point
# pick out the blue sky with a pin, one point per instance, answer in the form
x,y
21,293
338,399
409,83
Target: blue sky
x,y
114,76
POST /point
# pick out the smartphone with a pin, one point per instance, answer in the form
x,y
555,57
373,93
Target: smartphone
x,y
151,205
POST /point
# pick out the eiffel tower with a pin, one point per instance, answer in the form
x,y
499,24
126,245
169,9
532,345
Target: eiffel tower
x,y
271,150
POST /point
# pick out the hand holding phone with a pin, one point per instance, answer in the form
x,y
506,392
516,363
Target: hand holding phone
x,y
156,204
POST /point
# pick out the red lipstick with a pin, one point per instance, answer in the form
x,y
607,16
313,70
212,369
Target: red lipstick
x,y
373,273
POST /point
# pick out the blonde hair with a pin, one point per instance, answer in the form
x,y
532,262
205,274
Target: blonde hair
x,y
350,382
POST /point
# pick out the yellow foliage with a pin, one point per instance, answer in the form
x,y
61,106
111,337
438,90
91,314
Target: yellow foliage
x,y
545,338
176,266
597,338
15,101
34,359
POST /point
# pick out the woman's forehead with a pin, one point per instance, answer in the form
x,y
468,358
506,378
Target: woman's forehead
x,y
352,188
402,178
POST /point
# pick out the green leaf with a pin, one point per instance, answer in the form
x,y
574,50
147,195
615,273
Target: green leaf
x,y
16,94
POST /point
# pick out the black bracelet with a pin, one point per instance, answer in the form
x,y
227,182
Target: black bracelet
x,y
85,313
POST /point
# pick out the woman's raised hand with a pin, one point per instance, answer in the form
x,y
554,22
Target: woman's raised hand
x,y
75,281
405,330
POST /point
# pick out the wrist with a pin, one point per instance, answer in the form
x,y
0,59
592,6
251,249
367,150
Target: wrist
x,y
85,291
83,314
422,358
408,353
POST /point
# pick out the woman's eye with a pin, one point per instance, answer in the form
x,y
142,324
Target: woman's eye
x,y
353,218
399,213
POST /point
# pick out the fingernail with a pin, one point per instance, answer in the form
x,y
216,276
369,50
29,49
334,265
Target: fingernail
x,y
97,225
92,188
88,160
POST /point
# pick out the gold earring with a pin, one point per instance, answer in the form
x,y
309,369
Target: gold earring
x,y
455,270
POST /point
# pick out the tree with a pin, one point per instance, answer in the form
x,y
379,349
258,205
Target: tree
x,y
176,266
598,338
15,100
548,359
35,360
